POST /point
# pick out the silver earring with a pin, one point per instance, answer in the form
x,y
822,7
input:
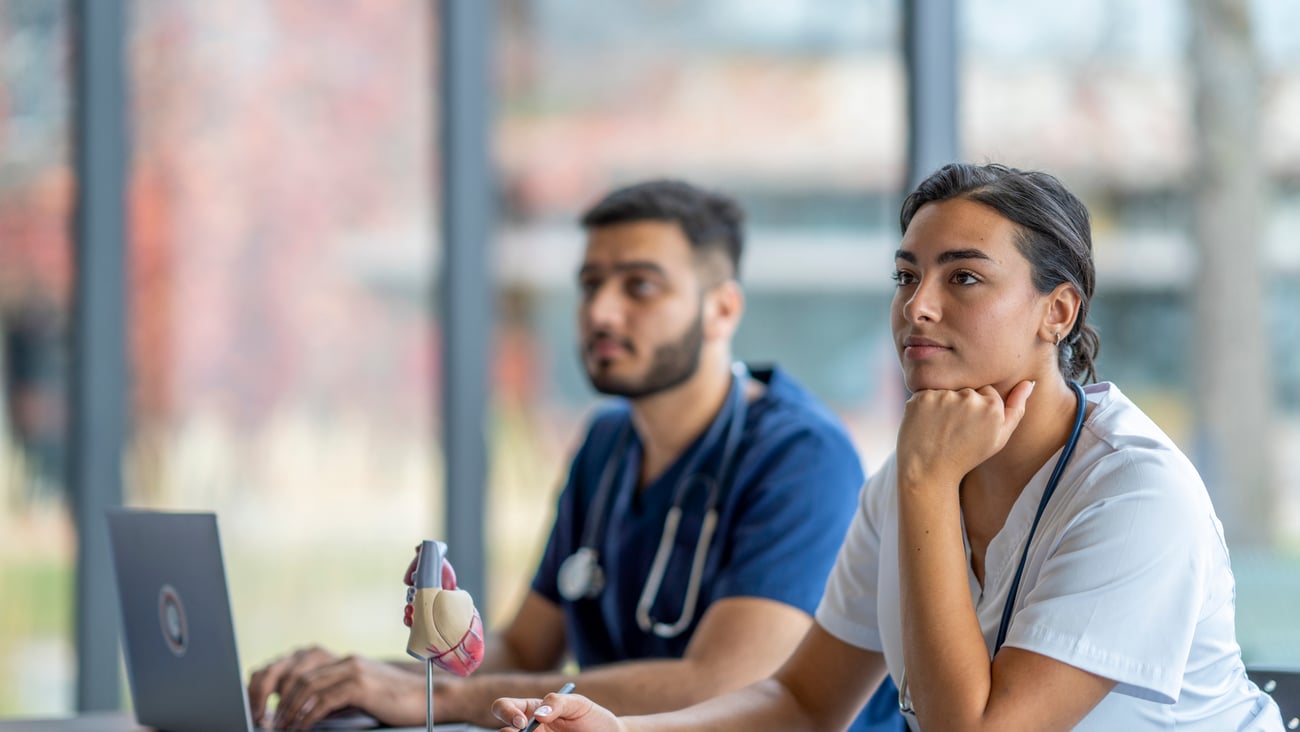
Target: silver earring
x,y
1058,339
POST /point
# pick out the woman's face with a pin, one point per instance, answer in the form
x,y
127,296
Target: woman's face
x,y
965,313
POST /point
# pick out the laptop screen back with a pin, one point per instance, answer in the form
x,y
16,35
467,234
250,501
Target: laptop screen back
x,y
178,635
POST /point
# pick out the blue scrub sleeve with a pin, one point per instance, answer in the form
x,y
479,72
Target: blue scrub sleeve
x,y
545,580
798,495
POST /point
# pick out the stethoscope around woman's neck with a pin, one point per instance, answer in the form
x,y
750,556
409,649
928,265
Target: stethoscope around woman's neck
x,y
581,576
1081,410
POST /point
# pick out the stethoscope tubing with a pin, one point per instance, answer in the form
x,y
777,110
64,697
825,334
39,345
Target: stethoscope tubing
x,y
1066,452
737,409
668,539
904,705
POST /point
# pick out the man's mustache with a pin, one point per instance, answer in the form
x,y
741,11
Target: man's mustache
x,y
602,337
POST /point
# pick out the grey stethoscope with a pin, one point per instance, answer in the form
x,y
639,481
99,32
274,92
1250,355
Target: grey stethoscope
x,y
581,576
904,702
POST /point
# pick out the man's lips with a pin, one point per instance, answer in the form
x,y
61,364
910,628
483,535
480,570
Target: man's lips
x,y
608,347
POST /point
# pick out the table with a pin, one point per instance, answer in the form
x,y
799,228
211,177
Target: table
x,y
125,722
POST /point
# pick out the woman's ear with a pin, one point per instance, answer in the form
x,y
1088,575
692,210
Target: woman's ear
x,y
723,306
1062,310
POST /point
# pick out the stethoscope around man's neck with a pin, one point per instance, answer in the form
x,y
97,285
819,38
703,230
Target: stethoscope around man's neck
x,y
904,703
581,576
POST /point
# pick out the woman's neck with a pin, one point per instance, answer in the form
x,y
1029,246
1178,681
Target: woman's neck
x,y
990,490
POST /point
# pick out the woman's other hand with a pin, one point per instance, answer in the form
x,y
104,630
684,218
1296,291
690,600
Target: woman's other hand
x,y
557,713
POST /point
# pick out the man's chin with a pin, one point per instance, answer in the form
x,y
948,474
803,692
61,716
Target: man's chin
x,y
617,389
610,385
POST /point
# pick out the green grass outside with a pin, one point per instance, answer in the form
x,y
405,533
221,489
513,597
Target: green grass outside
x,y
35,603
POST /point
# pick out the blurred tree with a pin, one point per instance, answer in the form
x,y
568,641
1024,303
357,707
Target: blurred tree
x,y
1231,355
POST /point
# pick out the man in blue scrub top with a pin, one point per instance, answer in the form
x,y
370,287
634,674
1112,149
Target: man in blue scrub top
x,y
702,514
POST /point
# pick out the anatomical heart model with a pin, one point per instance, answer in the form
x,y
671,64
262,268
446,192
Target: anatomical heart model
x,y
445,626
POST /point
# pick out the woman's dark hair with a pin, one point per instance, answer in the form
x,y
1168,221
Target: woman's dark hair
x,y
709,220
1055,237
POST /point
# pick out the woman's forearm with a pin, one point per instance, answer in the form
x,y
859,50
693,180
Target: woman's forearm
x,y
768,704
947,661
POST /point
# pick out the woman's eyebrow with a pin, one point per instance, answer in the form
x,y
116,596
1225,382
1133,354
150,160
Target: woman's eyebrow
x,y
952,255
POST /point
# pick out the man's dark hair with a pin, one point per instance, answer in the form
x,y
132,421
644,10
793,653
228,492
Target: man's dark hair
x,y
1055,236
710,220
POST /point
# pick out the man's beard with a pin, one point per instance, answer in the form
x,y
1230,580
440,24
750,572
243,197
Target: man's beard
x,y
673,364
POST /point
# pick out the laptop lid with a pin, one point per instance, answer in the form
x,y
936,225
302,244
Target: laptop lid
x,y
177,633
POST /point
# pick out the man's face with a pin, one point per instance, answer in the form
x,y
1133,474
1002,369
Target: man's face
x,y
640,318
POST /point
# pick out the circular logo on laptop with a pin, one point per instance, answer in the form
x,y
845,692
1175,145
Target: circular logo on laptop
x,y
171,616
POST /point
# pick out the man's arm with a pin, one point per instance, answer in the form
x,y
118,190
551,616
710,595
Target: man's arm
x,y
739,641
533,641
312,682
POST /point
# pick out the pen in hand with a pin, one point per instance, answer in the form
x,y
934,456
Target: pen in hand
x,y
533,723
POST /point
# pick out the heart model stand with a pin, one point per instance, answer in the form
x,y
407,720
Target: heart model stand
x,y
446,629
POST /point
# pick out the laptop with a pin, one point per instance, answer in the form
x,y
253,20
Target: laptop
x,y
178,635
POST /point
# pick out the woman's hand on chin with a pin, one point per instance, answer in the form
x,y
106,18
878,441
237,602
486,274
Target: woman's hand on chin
x,y
946,434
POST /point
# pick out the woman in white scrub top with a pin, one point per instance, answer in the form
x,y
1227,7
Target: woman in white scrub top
x,y
1035,555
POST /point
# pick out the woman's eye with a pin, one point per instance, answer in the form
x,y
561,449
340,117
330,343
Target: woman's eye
x,y
964,278
902,278
588,288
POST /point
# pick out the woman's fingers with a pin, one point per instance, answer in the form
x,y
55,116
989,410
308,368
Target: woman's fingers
x,y
1017,399
515,712
574,713
557,713
945,434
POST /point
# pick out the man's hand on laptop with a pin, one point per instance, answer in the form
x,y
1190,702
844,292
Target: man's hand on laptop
x,y
312,683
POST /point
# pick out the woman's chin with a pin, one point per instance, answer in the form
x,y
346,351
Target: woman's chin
x,y
919,381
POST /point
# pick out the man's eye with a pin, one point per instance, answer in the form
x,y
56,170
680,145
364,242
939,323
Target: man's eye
x,y
588,287
639,287
902,278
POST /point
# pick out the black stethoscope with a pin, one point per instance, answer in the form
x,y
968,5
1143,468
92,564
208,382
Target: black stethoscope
x,y
581,575
904,705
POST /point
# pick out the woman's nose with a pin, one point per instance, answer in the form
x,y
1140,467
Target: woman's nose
x,y
923,304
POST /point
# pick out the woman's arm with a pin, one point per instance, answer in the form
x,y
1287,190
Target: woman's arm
x,y
952,684
822,686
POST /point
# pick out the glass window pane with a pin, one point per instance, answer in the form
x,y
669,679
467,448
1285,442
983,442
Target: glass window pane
x,y
1105,96
795,107
37,541
282,341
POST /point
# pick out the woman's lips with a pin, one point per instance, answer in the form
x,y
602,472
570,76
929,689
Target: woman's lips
x,y
922,348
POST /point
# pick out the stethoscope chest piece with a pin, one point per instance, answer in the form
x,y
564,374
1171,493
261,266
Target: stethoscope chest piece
x,y
580,575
